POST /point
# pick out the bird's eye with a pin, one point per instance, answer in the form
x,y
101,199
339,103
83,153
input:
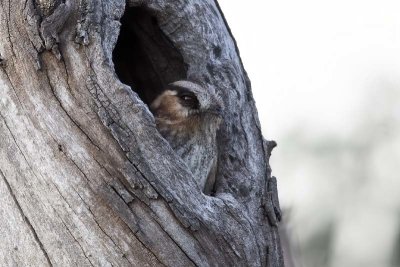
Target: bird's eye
x,y
187,98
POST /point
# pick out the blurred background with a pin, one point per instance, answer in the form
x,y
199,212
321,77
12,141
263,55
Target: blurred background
x,y
326,79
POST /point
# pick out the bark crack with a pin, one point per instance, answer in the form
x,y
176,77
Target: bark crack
x,y
80,170
13,88
103,167
25,219
68,78
79,244
173,240
116,191
16,144
99,226
69,116
73,237
135,233
8,19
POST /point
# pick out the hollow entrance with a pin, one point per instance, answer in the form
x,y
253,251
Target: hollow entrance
x,y
143,57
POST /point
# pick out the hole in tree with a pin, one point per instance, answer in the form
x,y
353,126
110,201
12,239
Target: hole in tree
x,y
144,58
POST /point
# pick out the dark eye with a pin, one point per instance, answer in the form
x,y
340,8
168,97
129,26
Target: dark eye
x,y
187,98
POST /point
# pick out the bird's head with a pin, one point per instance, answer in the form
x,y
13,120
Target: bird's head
x,y
185,100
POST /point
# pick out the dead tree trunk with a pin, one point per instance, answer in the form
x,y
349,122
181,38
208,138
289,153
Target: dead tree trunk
x,y
85,178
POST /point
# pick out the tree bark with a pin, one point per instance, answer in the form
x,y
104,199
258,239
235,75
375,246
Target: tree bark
x,y
85,178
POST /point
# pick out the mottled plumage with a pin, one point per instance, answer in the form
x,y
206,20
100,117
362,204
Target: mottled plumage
x,y
188,117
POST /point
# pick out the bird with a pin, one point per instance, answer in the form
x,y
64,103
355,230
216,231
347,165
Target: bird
x,y
188,116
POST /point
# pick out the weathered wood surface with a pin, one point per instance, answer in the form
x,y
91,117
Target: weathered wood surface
x,y
85,178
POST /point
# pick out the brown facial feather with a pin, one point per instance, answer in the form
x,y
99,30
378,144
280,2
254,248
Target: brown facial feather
x,y
171,113
167,106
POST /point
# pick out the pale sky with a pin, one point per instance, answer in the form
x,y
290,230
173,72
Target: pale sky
x,y
311,61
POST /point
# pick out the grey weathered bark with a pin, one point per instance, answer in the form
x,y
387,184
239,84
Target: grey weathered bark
x,y
85,178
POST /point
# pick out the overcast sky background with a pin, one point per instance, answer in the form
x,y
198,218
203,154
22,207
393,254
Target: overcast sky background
x,y
311,59
326,80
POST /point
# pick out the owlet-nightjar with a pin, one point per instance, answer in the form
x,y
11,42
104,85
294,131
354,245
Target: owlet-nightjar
x,y
188,117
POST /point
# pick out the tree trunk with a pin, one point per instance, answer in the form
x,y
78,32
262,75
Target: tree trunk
x,y
85,177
